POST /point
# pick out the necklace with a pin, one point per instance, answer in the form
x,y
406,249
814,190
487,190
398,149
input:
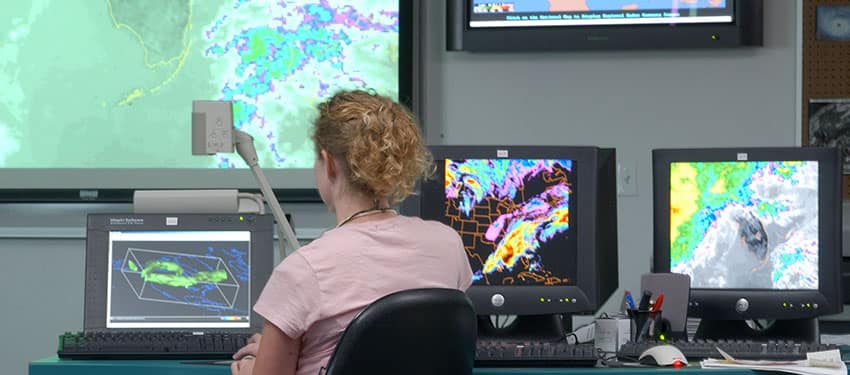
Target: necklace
x,y
366,212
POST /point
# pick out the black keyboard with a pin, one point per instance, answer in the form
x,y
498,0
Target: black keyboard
x,y
739,349
533,354
150,345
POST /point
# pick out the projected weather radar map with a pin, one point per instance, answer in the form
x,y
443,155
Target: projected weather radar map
x,y
747,224
514,218
109,83
160,279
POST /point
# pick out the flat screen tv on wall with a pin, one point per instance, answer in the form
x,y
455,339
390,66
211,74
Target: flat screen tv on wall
x,y
541,25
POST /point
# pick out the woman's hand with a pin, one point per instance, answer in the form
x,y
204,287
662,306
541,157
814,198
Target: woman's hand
x,y
244,366
279,354
250,349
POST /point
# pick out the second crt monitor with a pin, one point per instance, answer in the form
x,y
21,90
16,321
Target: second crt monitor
x,y
759,232
539,224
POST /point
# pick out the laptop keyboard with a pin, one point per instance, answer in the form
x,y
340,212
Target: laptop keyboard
x,y
150,345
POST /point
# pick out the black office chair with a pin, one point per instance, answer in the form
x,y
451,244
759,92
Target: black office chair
x,y
412,332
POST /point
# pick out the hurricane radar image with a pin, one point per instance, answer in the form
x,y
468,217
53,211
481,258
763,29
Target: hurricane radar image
x,y
211,281
745,224
513,217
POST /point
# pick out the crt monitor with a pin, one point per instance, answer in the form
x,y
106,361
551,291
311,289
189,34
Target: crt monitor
x,y
175,272
758,230
538,224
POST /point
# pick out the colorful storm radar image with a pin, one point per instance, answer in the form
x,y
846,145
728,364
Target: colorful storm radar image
x,y
209,280
747,225
514,218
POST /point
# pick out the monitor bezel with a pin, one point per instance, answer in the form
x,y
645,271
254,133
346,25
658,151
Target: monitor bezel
x,y
261,228
743,303
534,300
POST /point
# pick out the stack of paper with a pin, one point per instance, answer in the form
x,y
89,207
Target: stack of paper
x,y
817,363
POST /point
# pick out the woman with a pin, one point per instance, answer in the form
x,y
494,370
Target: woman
x,y
369,154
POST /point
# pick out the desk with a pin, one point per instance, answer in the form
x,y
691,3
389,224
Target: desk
x,y
55,366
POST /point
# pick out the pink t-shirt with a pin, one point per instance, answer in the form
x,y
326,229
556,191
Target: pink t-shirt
x,y
316,291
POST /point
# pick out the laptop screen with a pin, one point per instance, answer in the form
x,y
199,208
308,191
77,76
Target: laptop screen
x,y
176,271
179,279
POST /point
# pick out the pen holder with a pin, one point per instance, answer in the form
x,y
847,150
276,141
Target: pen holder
x,y
643,323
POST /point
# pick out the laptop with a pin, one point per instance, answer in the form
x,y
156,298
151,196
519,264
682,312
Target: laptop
x,y
183,272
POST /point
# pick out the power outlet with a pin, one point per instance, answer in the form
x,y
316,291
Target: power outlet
x,y
626,179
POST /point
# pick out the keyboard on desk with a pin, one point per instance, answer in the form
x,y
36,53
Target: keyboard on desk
x,y
150,345
739,349
533,354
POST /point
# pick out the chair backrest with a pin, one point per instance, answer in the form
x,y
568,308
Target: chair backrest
x,y
412,332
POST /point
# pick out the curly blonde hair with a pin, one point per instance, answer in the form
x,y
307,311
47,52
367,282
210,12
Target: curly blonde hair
x,y
377,139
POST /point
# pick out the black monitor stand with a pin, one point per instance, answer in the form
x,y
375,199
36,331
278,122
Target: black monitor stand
x,y
550,327
798,330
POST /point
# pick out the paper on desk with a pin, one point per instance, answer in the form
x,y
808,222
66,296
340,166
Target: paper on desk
x,y
817,363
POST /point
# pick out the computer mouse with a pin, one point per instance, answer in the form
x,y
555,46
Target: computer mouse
x,y
663,355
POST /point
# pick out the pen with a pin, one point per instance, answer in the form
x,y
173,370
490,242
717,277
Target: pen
x,y
644,301
652,327
658,301
643,331
630,300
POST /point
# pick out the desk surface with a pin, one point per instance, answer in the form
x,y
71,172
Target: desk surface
x,y
55,366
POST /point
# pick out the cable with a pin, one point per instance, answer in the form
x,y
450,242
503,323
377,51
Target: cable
x,y
603,355
567,337
587,331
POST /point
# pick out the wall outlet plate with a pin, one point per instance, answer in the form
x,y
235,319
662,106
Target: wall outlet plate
x,y
626,179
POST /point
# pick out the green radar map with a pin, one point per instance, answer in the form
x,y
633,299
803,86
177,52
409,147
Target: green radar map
x,y
171,274
745,225
110,83
212,278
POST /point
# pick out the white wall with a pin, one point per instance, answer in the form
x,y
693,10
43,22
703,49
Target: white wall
x,y
634,101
